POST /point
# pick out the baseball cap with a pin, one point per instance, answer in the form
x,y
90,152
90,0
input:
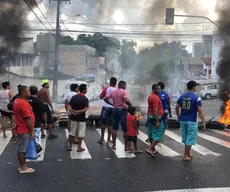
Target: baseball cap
x,y
44,81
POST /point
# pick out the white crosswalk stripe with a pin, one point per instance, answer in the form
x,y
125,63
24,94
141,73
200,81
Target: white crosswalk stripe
x,y
78,155
215,140
198,148
163,150
168,149
119,151
4,142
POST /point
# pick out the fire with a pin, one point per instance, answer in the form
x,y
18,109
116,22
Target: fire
x,y
225,118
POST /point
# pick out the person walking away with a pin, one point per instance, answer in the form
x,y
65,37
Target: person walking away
x,y
39,112
73,91
25,120
5,96
155,123
107,111
120,103
78,106
132,131
44,96
188,105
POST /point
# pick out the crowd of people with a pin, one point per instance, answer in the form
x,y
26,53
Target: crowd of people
x,y
30,112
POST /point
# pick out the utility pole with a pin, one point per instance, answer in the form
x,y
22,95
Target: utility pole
x,y
56,57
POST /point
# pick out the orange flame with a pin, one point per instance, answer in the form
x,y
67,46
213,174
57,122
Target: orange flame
x,y
225,118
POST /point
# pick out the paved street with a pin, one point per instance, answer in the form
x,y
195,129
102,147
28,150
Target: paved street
x,y
100,168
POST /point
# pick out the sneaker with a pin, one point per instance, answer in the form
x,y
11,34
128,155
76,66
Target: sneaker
x,y
52,136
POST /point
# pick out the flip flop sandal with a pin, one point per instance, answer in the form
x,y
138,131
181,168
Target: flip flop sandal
x,y
113,147
126,149
155,152
137,152
81,150
100,142
5,136
150,154
69,149
29,170
189,159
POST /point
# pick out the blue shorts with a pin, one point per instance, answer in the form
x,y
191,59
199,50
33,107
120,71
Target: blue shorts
x,y
189,131
119,116
106,116
154,133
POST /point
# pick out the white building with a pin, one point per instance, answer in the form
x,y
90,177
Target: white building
x,y
217,45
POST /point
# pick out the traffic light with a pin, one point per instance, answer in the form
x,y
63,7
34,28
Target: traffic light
x,y
169,20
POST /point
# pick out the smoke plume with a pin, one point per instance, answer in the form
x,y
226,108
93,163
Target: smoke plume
x,y
223,69
12,16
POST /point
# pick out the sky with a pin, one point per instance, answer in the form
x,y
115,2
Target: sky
x,y
111,16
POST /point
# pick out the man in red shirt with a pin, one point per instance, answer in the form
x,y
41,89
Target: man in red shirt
x,y
25,120
155,124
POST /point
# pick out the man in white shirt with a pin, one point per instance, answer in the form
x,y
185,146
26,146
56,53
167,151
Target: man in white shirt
x,y
73,91
107,111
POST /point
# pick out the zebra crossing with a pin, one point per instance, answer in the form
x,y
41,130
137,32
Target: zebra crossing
x,y
171,148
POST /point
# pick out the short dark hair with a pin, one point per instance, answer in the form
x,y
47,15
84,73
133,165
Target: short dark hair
x,y
121,84
82,87
132,110
43,85
5,84
161,84
22,89
73,86
191,85
113,81
33,90
154,86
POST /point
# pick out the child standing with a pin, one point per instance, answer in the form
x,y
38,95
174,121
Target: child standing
x,y
132,131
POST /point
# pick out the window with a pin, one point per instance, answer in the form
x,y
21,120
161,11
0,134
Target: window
x,y
212,87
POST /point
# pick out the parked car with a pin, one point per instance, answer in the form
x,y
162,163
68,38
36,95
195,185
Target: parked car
x,y
209,91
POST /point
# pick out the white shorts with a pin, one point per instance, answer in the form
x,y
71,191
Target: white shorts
x,y
77,129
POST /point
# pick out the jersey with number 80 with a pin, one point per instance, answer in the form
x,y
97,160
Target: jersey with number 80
x,y
189,103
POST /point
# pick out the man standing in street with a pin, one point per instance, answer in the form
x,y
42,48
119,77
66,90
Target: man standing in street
x,y
166,104
5,96
73,91
39,112
25,126
44,96
107,111
190,104
155,123
120,103
78,106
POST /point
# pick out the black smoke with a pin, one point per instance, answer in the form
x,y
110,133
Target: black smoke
x,y
223,68
13,14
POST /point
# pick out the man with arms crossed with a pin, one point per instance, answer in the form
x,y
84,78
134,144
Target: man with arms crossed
x,y
78,106
25,119
190,104
107,111
120,104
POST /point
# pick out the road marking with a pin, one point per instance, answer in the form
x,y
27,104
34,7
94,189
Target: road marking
x,y
4,141
221,189
163,150
119,152
215,140
198,148
41,155
225,133
78,155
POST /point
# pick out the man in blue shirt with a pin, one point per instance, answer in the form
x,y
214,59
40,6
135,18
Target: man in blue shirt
x,y
190,104
165,100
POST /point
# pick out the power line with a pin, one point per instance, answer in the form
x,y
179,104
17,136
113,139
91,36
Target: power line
x,y
42,13
36,15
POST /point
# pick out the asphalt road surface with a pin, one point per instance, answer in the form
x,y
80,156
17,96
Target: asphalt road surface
x,y
100,168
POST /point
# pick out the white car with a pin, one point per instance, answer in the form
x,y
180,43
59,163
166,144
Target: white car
x,y
209,91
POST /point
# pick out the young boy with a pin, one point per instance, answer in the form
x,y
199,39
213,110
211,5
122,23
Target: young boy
x,y
132,132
